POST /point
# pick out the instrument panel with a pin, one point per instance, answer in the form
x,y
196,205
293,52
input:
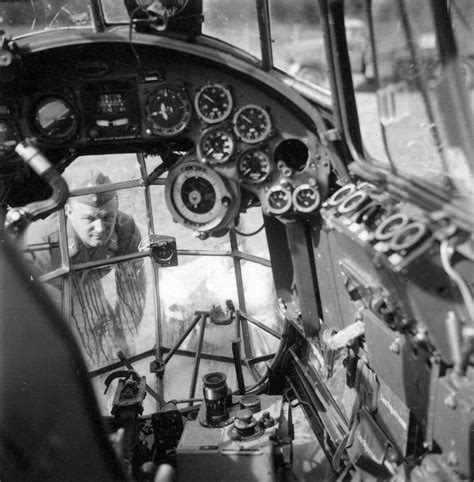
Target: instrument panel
x,y
222,119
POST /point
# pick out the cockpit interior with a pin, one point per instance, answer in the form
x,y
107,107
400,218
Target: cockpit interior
x,y
237,240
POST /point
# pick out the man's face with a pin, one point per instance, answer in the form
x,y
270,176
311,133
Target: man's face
x,y
93,225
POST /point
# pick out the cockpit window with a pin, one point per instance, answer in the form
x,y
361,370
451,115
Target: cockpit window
x,y
233,22
22,17
412,92
298,41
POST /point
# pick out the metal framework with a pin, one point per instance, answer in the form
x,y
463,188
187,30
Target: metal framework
x,y
161,354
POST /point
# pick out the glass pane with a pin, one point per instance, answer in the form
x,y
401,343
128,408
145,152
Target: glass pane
x,y
197,285
247,242
40,244
298,41
18,18
116,167
233,22
413,102
185,238
109,312
261,304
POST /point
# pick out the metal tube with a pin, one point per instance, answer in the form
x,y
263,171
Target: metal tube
x,y
238,366
260,325
183,337
263,16
197,360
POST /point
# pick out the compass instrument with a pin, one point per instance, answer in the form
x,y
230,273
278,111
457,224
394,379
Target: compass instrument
x,y
199,198
252,124
216,146
168,111
254,166
213,103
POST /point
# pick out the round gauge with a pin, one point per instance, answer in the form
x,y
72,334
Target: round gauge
x,y
213,103
278,200
254,166
252,124
306,198
216,146
169,111
9,138
199,198
55,118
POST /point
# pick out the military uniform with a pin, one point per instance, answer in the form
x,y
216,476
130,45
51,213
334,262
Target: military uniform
x,y
107,303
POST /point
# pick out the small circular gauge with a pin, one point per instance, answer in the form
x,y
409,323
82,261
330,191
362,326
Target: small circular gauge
x,y
199,198
254,166
213,103
278,200
168,111
216,146
9,138
55,118
306,198
252,124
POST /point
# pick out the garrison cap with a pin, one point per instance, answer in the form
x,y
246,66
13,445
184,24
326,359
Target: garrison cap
x,y
92,179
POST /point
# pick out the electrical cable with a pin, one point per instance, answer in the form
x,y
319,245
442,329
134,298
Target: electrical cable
x,y
253,233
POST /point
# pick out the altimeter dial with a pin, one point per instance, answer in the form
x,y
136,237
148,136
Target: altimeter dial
x,y
216,146
252,124
213,103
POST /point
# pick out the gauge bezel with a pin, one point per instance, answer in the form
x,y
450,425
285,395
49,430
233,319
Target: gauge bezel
x,y
220,215
183,122
239,163
210,160
225,114
43,134
16,134
284,209
267,126
306,209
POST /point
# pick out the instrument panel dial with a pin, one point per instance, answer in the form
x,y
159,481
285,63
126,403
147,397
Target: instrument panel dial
x,y
213,103
306,198
9,138
252,123
55,119
216,146
199,198
254,166
278,200
168,111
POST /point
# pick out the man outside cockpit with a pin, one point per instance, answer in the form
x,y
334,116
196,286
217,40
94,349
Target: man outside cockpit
x,y
106,302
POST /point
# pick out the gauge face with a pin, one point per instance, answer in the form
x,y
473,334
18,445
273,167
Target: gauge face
x,y
306,198
168,111
216,146
199,197
213,103
55,118
254,166
278,200
8,138
252,124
